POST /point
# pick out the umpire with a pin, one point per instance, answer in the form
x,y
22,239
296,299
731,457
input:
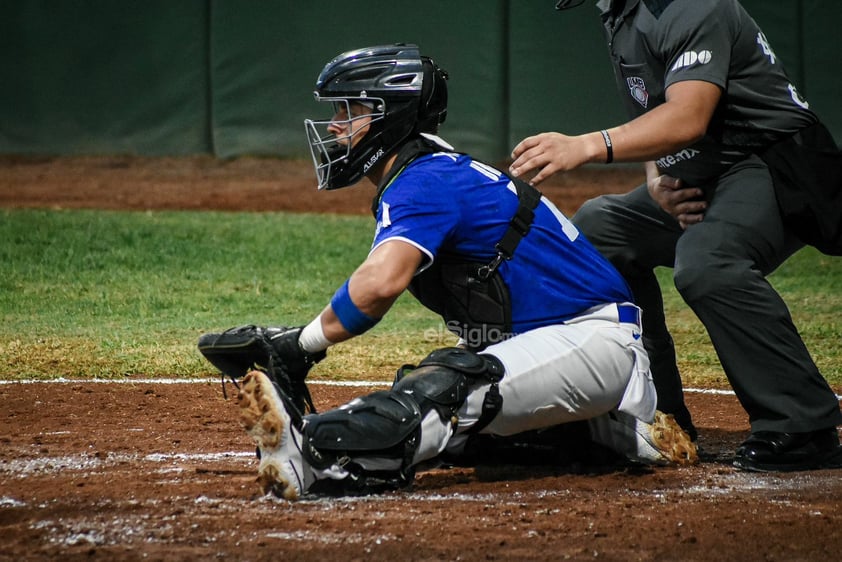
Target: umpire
x,y
740,175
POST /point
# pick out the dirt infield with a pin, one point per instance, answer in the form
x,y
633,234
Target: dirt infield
x,y
161,470
245,184
154,471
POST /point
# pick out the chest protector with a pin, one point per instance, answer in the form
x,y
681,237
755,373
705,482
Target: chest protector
x,y
471,297
469,294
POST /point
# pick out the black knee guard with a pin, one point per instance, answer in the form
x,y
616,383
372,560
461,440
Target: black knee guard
x,y
375,437
381,423
441,381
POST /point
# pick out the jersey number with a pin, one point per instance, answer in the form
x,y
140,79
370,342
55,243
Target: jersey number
x,y
493,174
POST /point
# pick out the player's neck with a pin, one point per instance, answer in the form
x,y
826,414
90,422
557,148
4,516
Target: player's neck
x,y
379,170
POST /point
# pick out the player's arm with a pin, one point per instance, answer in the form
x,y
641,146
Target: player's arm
x,y
679,122
366,297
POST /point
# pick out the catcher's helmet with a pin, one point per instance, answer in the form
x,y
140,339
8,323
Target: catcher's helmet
x,y
407,95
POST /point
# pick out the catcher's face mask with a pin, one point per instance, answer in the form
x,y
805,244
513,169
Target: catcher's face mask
x,y
335,142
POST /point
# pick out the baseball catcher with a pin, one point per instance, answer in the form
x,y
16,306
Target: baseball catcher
x,y
548,330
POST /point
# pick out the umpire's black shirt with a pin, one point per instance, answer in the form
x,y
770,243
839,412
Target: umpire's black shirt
x,y
655,43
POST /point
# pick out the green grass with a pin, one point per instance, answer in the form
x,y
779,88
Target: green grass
x,y
113,294
107,294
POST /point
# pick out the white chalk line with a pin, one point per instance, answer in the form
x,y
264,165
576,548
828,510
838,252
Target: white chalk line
x,y
62,380
315,382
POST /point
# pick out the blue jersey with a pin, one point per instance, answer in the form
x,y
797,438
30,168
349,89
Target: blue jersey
x,y
447,203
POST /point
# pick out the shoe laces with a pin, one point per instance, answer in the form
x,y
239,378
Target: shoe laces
x,y
222,381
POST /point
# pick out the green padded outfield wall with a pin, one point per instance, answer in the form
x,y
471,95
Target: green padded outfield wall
x,y
267,55
234,77
100,76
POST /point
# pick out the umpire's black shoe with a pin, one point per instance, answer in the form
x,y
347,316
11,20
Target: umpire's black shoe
x,y
771,451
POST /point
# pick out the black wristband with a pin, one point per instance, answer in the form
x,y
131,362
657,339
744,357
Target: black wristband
x,y
609,146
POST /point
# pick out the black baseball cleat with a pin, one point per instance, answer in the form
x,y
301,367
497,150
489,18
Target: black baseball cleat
x,y
771,451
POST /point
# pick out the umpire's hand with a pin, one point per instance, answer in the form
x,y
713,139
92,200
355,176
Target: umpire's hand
x,y
686,204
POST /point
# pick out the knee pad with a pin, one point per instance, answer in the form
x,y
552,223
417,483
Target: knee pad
x,y
442,381
372,438
383,423
375,437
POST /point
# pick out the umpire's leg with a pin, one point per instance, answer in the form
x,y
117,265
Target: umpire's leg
x,y
720,270
637,236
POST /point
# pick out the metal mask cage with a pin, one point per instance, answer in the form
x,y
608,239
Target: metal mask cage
x,y
332,152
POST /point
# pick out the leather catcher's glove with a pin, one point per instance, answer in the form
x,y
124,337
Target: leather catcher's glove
x,y
273,350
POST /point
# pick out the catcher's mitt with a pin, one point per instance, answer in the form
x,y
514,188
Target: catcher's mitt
x,y
273,350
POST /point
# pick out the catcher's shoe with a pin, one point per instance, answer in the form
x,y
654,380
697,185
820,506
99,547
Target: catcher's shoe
x,y
661,442
283,470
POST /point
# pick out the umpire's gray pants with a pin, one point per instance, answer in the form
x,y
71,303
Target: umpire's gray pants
x,y
719,266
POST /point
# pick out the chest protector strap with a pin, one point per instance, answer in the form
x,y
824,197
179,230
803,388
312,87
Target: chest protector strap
x,y
528,199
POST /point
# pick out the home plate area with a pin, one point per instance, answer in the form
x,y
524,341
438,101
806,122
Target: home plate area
x,y
149,470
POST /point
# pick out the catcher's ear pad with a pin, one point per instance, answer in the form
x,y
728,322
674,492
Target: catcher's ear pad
x,y
234,353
